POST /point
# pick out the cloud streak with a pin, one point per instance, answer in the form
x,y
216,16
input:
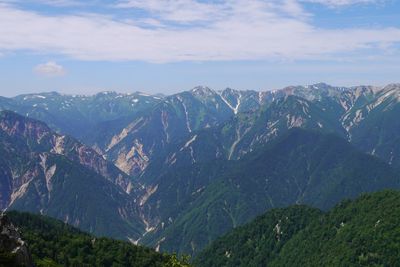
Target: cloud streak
x,y
50,68
54,3
341,3
187,30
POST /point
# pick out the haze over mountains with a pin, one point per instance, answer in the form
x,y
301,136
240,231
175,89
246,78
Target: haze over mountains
x,y
176,172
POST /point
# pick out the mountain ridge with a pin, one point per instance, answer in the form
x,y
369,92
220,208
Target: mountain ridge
x,y
361,232
178,110
180,151
299,167
68,181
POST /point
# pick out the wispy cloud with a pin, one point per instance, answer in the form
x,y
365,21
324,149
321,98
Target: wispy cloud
x,y
188,30
50,68
60,3
186,11
55,3
341,3
177,10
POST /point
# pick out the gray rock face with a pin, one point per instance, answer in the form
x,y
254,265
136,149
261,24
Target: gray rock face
x,y
55,175
13,250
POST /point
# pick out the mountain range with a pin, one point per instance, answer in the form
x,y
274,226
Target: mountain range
x,y
176,172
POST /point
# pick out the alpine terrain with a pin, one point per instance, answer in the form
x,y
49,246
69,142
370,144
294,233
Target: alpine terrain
x,y
176,172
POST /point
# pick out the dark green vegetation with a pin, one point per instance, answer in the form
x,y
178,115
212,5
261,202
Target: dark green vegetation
x,y
13,250
364,232
258,242
53,243
299,167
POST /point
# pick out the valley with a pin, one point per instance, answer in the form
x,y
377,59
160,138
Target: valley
x,y
176,172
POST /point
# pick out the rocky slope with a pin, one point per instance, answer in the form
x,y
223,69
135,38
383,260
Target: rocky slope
x,y
47,173
130,129
245,120
175,117
374,126
183,151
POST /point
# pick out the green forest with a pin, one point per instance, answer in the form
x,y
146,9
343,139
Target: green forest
x,y
363,232
53,243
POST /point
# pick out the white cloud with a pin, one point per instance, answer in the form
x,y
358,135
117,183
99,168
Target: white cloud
x,y
55,3
186,11
177,10
340,3
228,30
61,3
50,68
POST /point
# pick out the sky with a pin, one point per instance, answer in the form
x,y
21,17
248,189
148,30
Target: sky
x,y
167,46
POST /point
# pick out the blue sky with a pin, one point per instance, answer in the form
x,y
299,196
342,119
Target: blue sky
x,y
166,46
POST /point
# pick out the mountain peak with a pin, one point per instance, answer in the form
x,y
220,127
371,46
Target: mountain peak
x,y
319,86
37,96
392,86
230,91
106,93
202,91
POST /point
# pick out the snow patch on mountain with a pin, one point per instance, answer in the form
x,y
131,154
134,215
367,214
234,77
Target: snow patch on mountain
x,y
188,143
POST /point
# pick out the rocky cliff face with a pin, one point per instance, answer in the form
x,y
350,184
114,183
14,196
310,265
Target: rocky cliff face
x,y
13,250
52,174
41,139
146,136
